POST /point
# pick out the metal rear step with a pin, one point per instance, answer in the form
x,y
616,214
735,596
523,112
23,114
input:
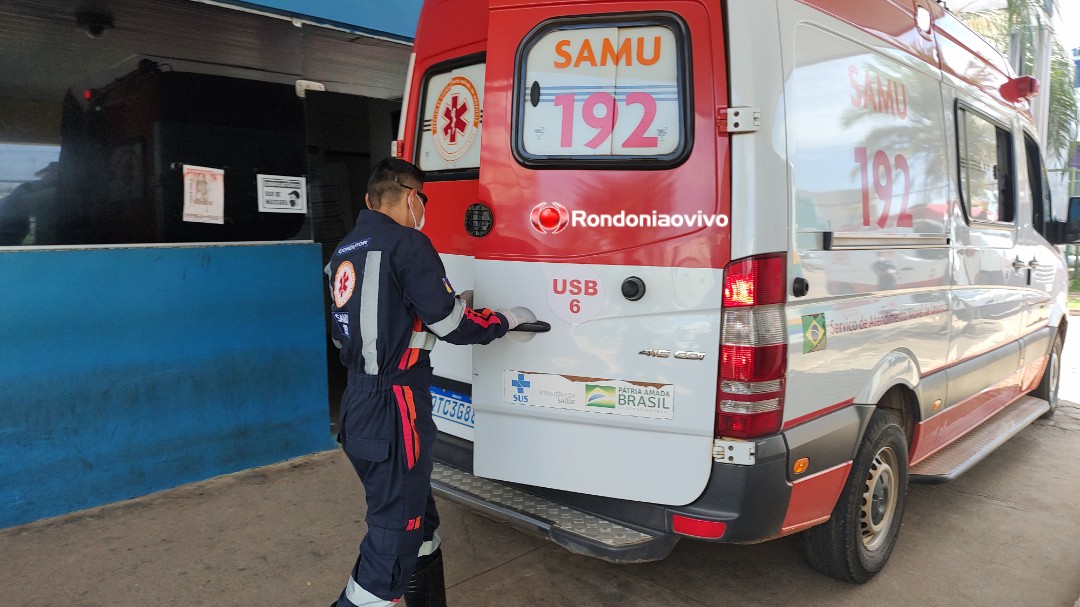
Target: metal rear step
x,y
970,449
573,529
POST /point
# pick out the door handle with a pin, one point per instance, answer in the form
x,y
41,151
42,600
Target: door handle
x,y
1033,264
1019,265
538,326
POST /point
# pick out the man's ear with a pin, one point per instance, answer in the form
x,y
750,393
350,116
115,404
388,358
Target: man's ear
x,y
367,201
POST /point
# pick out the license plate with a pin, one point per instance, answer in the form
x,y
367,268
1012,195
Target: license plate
x,y
452,407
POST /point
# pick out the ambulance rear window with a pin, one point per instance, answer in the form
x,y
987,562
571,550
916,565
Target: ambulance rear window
x,y
452,111
605,92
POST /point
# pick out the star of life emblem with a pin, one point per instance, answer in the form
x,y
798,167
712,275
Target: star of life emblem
x,y
457,119
344,283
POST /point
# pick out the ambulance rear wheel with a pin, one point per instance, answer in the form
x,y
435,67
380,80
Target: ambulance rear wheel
x,y
856,542
1048,387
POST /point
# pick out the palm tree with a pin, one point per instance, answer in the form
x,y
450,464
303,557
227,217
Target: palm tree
x,y
1024,17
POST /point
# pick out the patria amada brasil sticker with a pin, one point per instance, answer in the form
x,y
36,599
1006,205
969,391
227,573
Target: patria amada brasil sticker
x,y
588,394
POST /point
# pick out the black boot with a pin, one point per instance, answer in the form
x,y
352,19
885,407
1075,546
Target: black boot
x,y
427,588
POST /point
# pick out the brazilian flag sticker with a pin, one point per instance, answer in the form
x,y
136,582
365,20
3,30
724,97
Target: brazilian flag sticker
x,y
600,396
814,334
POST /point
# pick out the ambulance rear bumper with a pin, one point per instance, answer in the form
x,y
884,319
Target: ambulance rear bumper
x,y
750,500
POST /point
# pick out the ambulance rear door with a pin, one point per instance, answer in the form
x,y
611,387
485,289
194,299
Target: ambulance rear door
x,y
443,137
600,120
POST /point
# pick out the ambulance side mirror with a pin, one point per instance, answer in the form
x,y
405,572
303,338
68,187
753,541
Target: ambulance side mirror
x,y
1068,231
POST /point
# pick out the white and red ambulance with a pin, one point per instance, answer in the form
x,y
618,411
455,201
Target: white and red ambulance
x,y
790,255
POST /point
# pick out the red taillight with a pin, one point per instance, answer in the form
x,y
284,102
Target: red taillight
x,y
753,354
755,281
753,363
749,425
685,525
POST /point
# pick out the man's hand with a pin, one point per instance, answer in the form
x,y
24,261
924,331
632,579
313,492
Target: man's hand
x,y
467,297
512,320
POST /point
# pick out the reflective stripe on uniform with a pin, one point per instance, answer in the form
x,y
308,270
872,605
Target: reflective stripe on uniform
x,y
362,598
412,353
422,340
369,312
407,412
428,548
451,322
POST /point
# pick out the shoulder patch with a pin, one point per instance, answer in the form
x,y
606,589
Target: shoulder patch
x,y
446,283
344,283
342,319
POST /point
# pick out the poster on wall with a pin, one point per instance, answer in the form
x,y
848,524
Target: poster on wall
x,y
204,195
281,194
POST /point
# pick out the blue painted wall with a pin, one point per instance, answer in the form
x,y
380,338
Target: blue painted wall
x,y
394,18
127,371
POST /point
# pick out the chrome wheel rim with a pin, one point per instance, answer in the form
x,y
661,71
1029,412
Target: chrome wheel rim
x,y
880,494
1055,370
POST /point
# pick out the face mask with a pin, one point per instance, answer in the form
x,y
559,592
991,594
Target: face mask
x,y
416,225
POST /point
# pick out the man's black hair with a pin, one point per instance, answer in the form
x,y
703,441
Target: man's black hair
x,y
388,177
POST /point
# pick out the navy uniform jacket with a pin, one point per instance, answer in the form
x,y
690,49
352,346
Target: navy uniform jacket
x,y
392,299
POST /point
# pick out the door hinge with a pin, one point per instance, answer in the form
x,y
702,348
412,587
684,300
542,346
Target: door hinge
x,y
739,452
738,119
303,86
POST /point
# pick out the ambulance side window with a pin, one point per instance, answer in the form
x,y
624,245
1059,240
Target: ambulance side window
x,y
986,168
451,115
1040,186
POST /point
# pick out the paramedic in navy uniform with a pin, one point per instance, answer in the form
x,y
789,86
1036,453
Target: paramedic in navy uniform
x,y
391,301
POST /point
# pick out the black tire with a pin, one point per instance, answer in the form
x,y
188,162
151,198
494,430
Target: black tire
x,y
856,542
1048,387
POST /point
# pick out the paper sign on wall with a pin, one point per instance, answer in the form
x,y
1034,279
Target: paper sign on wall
x,y
204,195
281,194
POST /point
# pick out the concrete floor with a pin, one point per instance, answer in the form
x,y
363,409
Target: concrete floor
x,y
1005,534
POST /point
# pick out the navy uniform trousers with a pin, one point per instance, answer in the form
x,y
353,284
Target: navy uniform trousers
x,y
387,433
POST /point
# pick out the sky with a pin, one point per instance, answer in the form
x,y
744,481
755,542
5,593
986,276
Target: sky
x,y
1066,26
1069,26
